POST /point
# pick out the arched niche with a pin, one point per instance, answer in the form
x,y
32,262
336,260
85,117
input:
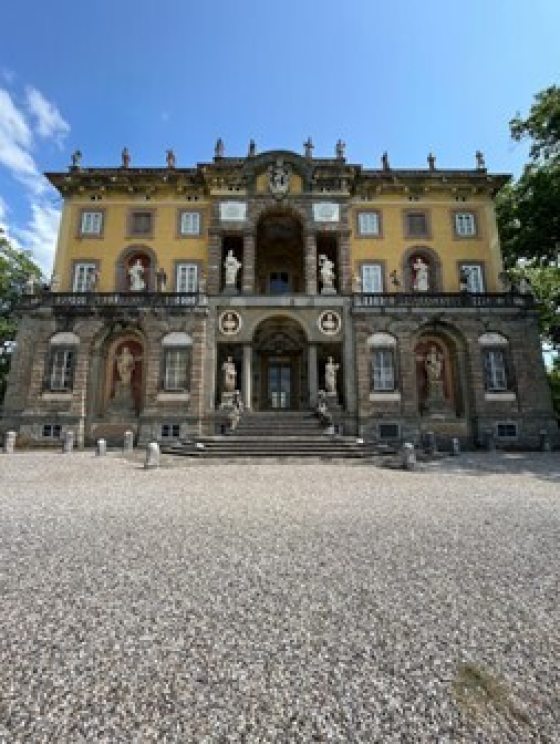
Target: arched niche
x,y
429,257
438,381
127,259
123,393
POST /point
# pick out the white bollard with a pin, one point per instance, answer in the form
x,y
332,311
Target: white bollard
x,y
128,444
152,456
408,456
455,447
68,442
101,447
10,442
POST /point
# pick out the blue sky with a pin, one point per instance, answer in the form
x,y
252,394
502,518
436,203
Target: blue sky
x,y
405,76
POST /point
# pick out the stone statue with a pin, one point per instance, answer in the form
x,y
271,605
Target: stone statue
x,y
230,375
125,158
339,149
433,365
326,269
252,149
161,280
357,284
136,275
125,366
232,266
279,178
76,159
421,281
170,158
431,161
385,161
464,279
480,163
219,148
395,281
308,148
330,376
325,417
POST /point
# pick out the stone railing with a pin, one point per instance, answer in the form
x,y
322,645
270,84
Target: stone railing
x,y
443,300
91,300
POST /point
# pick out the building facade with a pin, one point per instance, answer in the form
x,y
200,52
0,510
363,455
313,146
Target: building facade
x,y
284,277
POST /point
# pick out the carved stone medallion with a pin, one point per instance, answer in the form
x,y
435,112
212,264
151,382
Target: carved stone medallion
x,y
279,178
229,323
329,323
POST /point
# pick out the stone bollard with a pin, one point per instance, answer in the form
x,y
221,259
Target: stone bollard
x,y
68,442
10,442
152,456
408,456
431,443
490,441
101,447
455,447
544,441
128,444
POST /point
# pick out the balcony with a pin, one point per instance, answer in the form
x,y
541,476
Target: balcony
x,y
443,300
91,301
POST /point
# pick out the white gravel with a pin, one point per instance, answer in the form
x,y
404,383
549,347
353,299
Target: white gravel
x,y
279,601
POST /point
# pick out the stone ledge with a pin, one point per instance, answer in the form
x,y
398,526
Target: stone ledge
x,y
500,397
57,396
173,397
385,396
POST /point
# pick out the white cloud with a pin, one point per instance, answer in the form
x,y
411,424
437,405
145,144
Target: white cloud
x,y
15,143
49,121
40,235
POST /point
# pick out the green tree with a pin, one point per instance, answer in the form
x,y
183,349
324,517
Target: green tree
x,y
16,267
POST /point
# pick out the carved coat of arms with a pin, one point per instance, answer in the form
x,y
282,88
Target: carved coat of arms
x,y
279,178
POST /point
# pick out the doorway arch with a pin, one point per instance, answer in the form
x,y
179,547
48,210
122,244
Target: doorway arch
x,y
279,264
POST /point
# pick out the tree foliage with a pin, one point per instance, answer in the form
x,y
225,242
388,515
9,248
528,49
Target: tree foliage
x,y
16,267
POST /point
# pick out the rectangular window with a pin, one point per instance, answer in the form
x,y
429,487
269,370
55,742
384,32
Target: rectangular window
x,y
51,431
416,224
186,278
506,431
189,223
368,223
175,372
473,277
170,431
372,278
91,223
141,223
495,370
61,368
383,370
465,224
388,431
84,277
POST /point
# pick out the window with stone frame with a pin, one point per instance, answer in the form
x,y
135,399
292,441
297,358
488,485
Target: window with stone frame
x,y
175,369
91,222
496,377
186,277
141,222
383,370
472,278
84,276
416,224
465,224
189,223
369,224
60,369
372,278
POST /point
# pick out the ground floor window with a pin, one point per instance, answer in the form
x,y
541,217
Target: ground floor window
x,y
170,431
61,367
51,431
383,369
175,369
495,370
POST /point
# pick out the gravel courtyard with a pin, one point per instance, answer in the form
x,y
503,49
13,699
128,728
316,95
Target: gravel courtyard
x,y
279,601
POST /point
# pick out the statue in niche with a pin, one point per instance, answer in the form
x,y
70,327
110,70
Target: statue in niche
x,y
125,366
279,178
330,376
229,375
421,278
433,365
122,401
232,266
326,269
125,158
170,158
136,275
435,396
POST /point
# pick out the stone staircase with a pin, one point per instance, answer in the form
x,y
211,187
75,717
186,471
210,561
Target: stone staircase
x,y
267,434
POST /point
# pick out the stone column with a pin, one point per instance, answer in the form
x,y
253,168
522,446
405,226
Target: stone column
x,y
311,264
248,279
247,374
214,263
313,374
344,268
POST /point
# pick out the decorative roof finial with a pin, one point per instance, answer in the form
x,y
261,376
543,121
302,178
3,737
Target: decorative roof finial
x,y
385,161
480,162
431,161
308,148
252,149
340,149
76,159
125,158
219,148
170,158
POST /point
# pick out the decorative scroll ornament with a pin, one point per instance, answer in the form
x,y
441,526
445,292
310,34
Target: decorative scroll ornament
x,y
229,323
279,176
329,323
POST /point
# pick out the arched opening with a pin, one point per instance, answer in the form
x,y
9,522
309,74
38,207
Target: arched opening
x,y
437,376
136,270
124,377
279,267
421,270
280,366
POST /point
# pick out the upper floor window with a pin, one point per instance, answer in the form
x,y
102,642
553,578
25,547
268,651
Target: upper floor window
x,y
369,223
85,276
189,223
471,278
416,224
465,224
141,222
91,222
372,278
186,278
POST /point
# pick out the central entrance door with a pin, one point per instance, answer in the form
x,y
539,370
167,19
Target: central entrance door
x,y
279,378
